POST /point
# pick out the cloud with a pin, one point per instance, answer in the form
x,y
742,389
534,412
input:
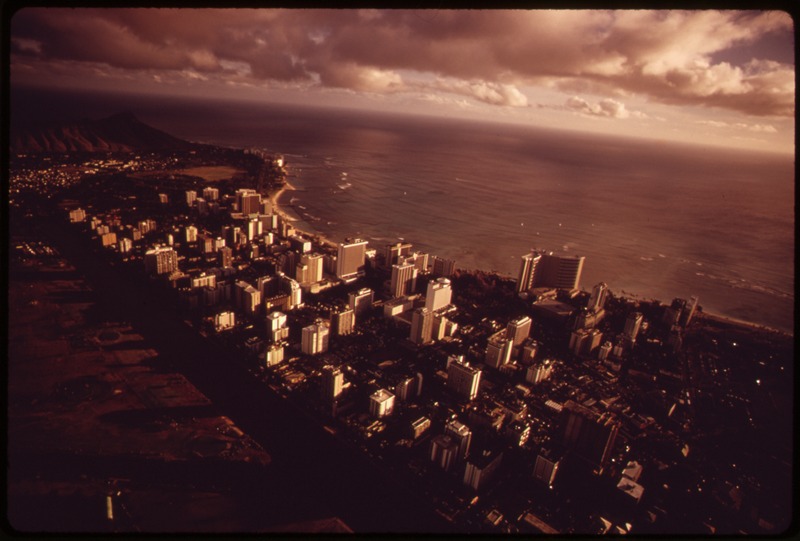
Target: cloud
x,y
605,108
671,57
758,128
483,91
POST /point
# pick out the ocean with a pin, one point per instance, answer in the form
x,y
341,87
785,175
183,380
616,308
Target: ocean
x,y
654,220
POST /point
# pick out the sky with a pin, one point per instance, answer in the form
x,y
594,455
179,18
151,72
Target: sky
x,y
711,77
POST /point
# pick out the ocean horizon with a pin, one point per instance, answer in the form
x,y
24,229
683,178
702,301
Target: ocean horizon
x,y
654,220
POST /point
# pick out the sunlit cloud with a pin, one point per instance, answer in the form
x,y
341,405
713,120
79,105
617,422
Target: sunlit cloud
x,y
759,128
607,107
490,56
482,91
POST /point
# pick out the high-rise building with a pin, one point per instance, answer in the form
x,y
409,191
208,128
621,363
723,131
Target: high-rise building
x,y
202,205
205,242
393,252
160,260
498,350
595,338
443,267
404,280
77,215
254,228
361,301
273,355
312,265
248,201
687,313
408,387
300,244
291,287
562,272
191,196
191,233
632,325
225,255
381,403
461,434
589,435
125,245
211,194
419,427
224,321
539,371
350,259
482,467
438,294
268,221
277,329
518,330
315,338
332,382
605,351
546,467
598,298
247,297
529,349
444,451
527,271
585,341
108,239
343,321
463,379
542,269
442,327
421,326
420,261
204,280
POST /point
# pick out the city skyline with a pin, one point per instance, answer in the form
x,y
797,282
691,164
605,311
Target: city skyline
x,y
475,405
427,271
711,77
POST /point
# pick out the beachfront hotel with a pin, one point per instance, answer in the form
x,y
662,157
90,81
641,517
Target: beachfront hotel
x,y
544,269
350,259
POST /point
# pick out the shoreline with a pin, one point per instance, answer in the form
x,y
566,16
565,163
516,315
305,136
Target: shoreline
x,y
713,316
727,320
291,216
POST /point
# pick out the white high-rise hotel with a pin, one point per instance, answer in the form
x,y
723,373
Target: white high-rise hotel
x,y
438,295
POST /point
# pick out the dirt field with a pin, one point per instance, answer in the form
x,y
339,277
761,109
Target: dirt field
x,y
91,406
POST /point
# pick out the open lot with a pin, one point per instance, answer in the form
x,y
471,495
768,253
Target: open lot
x,y
91,405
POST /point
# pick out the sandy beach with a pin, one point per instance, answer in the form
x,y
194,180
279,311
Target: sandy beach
x,y
292,217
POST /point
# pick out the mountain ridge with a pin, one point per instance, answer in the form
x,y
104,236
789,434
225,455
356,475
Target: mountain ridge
x,y
122,131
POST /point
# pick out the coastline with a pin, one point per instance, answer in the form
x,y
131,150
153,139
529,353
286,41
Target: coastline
x,y
732,321
287,212
290,215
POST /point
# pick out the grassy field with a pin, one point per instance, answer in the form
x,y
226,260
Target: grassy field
x,y
212,173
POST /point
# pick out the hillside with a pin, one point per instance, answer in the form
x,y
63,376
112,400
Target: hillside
x,y
120,132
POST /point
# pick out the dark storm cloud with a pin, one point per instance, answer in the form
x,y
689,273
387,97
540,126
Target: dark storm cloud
x,y
670,57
